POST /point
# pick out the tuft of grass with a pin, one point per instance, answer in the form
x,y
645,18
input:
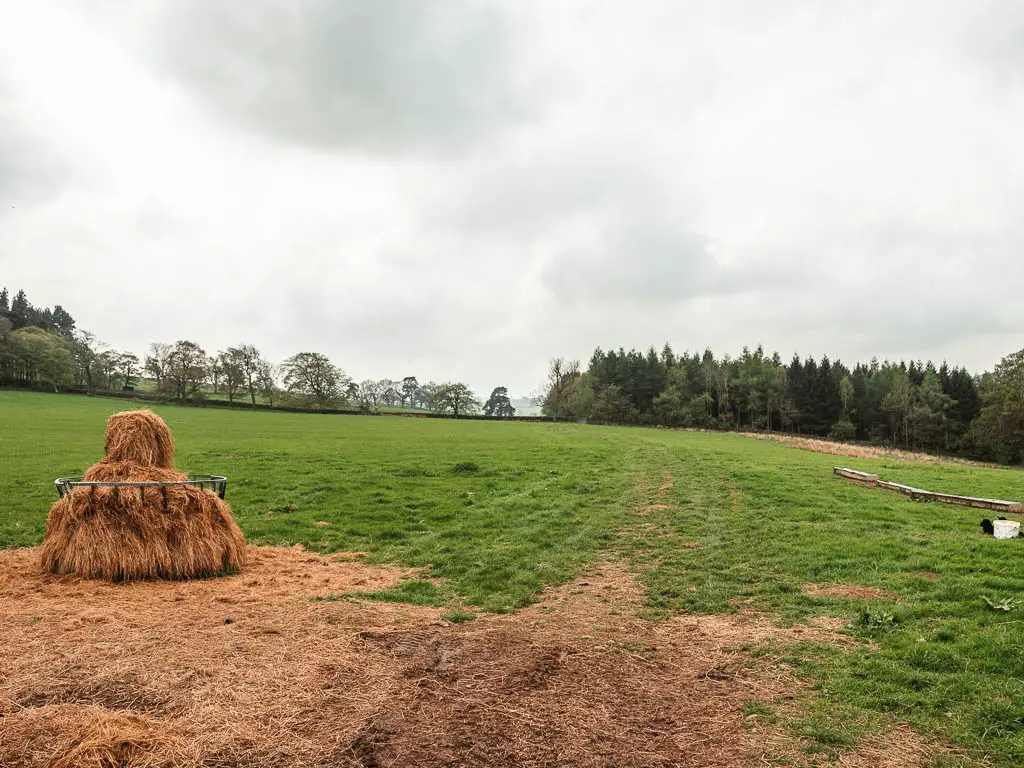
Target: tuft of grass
x,y
458,617
411,591
761,710
466,466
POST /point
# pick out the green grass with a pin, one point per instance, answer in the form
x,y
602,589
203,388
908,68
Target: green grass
x,y
546,499
496,510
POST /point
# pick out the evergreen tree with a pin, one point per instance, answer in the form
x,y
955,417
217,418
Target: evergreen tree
x,y
62,322
498,404
20,309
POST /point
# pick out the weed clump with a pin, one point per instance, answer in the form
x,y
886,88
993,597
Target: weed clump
x,y
877,622
466,466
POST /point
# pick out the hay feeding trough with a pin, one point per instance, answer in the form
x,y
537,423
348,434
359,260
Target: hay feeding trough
x,y
133,516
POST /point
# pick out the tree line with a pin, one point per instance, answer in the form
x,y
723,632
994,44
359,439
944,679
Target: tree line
x,y
43,347
912,405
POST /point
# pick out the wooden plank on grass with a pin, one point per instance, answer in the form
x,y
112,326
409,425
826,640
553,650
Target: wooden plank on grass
x,y
853,474
919,494
997,505
899,487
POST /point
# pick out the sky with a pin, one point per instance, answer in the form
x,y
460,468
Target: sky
x,y
463,190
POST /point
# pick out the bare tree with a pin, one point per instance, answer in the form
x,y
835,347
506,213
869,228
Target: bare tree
x,y
427,394
249,361
85,348
232,373
266,380
563,375
215,371
156,363
106,364
389,391
368,393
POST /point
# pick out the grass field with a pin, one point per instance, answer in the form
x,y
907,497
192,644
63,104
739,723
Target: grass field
x,y
496,512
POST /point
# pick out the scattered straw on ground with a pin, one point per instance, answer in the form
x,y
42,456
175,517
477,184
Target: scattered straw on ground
x,y
657,507
246,671
897,747
859,451
848,590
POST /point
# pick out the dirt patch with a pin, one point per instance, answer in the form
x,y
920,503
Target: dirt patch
x,y
896,748
658,507
833,623
245,671
849,590
929,575
859,451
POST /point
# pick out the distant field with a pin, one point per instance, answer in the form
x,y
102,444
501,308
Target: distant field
x,y
497,512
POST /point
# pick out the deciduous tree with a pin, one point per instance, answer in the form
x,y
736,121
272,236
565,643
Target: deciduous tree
x,y
313,376
455,398
187,369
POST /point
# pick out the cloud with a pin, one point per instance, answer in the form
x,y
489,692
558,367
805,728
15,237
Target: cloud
x,y
388,75
465,189
993,37
643,260
30,168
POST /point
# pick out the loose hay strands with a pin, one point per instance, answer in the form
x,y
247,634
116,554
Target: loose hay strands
x,y
120,533
292,682
74,736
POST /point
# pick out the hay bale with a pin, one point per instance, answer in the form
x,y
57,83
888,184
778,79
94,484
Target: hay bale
x,y
112,471
121,533
139,436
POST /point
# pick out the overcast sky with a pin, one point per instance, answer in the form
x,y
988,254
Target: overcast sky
x,y
462,190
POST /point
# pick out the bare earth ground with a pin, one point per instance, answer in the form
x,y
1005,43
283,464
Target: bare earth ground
x,y
245,671
859,451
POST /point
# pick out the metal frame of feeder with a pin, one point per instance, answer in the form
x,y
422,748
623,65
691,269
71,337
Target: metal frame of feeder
x,y
218,484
